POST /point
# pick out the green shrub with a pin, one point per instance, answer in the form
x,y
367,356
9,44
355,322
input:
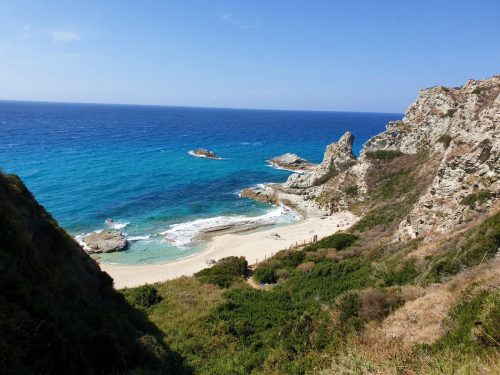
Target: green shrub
x,y
383,154
352,191
479,197
224,273
372,219
349,307
404,273
480,244
290,258
473,322
445,139
265,275
394,185
449,113
337,241
143,296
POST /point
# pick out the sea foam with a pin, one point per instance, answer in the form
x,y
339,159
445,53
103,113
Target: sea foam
x,y
184,234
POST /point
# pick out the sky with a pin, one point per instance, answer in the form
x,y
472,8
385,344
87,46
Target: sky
x,y
372,55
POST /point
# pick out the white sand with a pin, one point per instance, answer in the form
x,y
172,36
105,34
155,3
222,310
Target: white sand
x,y
255,247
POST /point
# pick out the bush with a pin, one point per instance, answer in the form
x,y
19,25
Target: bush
x,y
404,273
352,191
349,306
337,241
306,267
383,154
479,197
142,297
474,321
445,139
480,244
374,305
265,275
224,273
290,258
449,113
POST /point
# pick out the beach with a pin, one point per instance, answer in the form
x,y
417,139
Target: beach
x,y
254,246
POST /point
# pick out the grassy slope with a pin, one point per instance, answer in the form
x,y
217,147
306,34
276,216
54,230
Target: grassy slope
x,y
319,315
58,312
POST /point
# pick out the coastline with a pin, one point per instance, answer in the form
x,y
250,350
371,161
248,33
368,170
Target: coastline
x,y
255,247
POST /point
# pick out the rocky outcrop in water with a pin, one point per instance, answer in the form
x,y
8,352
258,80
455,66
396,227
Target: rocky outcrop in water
x,y
301,190
106,241
291,162
458,132
204,153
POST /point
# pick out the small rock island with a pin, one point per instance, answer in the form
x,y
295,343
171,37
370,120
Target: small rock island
x,y
106,241
291,162
204,153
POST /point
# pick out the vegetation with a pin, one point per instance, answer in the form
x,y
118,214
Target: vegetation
x,y
58,312
337,241
480,244
265,275
449,113
352,190
405,273
142,297
383,154
223,274
477,198
325,314
445,139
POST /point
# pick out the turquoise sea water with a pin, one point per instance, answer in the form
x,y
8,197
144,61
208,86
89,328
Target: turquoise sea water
x,y
86,163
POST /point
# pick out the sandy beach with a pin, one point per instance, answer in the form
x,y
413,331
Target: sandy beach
x,y
254,246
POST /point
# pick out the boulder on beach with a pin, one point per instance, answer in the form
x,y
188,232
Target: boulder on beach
x,y
291,162
204,153
105,242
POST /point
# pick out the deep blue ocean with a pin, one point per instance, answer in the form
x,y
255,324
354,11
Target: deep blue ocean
x,y
86,163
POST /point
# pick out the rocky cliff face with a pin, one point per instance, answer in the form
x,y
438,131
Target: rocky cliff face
x,y
457,131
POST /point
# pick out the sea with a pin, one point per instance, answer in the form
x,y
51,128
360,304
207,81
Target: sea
x,y
87,163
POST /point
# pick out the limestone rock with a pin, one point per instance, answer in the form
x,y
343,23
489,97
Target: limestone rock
x,y
291,162
337,158
105,242
458,131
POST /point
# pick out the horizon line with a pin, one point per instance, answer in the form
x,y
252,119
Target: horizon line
x,y
192,107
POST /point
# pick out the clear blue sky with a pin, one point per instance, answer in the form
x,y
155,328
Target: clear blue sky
x,y
284,54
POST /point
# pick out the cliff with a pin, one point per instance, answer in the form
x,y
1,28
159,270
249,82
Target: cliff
x,y
454,134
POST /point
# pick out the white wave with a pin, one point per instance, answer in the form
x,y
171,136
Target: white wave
x,y
275,166
252,143
117,225
183,234
139,238
79,239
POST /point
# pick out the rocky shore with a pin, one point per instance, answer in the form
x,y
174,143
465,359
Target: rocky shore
x,y
456,134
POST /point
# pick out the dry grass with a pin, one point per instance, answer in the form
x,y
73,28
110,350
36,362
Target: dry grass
x,y
421,320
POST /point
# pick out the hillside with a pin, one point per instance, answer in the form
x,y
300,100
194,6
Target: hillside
x,y
58,312
411,288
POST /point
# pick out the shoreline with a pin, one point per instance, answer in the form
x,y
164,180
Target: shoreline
x,y
254,246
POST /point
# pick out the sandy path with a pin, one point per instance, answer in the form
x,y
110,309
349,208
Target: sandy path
x,y
254,246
